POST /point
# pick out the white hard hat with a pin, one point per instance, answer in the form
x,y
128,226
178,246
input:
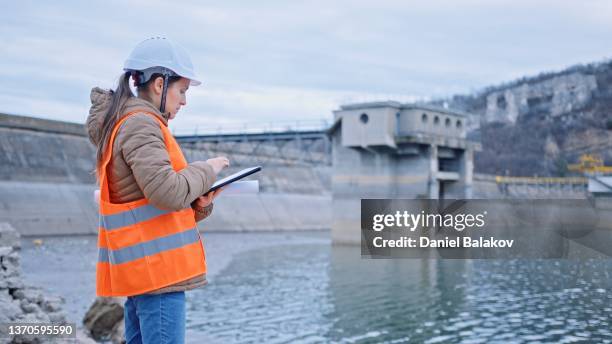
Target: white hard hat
x,y
161,52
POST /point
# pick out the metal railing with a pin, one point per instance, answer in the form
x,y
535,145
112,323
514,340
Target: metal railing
x,y
541,180
280,126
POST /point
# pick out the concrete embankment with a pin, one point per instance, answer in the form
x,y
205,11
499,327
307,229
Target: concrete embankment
x,y
46,186
38,208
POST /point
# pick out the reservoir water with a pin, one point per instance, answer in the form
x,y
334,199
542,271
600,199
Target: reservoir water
x,y
295,287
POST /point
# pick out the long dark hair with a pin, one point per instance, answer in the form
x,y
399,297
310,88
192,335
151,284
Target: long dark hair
x,y
119,97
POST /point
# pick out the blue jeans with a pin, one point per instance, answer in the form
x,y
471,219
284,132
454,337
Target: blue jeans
x,y
156,318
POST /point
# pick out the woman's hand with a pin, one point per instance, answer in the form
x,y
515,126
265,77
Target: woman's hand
x,y
206,200
218,163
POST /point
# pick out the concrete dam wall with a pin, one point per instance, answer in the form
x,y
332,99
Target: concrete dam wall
x,y
47,185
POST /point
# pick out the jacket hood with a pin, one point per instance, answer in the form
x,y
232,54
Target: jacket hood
x,y
100,103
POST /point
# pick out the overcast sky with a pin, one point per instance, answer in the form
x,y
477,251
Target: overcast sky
x,y
282,60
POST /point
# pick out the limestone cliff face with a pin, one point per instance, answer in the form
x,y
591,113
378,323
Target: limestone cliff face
x,y
551,97
537,125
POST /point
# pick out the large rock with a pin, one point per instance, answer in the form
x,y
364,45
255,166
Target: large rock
x,y
104,319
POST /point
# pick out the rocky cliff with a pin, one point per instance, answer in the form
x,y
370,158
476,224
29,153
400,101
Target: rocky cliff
x,y
537,125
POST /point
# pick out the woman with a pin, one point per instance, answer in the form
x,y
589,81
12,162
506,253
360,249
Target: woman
x,y
150,197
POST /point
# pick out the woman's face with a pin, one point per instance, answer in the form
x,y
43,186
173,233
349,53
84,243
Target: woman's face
x,y
176,96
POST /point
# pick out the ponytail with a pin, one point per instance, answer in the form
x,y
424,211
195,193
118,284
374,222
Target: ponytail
x,y
119,96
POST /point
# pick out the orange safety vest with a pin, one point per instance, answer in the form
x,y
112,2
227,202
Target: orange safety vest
x,y
142,248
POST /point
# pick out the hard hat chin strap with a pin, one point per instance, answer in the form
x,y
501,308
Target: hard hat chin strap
x,y
162,105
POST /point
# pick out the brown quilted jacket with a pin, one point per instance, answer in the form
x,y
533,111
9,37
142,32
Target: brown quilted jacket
x,y
140,166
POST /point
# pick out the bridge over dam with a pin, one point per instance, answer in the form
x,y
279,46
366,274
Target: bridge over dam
x,y
47,180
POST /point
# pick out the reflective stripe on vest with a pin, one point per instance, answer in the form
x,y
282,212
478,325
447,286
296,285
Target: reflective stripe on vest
x,y
148,248
142,248
130,217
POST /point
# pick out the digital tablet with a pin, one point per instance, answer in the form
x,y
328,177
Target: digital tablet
x,y
234,177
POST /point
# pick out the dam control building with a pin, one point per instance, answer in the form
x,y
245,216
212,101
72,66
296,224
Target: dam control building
x,y
394,150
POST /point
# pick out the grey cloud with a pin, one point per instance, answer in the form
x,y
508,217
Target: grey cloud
x,y
53,53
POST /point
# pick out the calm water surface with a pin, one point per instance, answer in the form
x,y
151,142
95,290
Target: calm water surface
x,y
298,288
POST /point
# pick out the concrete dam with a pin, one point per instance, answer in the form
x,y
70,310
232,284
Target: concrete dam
x,y
310,180
47,183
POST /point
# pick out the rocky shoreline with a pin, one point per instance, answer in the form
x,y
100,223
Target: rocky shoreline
x,y
22,303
